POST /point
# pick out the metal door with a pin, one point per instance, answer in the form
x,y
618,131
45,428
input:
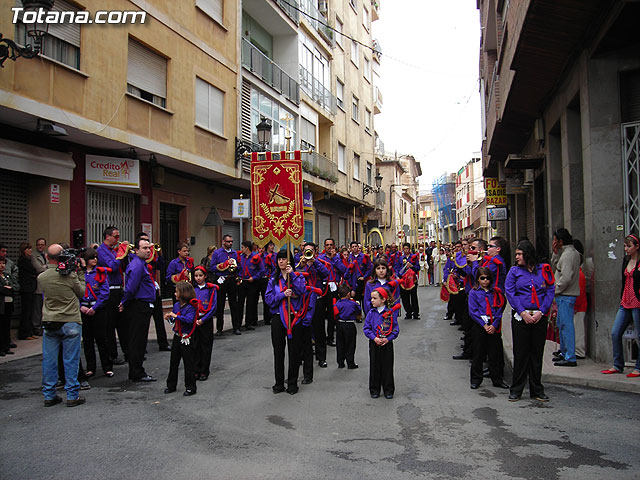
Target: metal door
x,y
631,175
110,208
169,237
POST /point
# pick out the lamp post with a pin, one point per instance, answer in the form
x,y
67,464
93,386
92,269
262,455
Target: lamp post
x,y
264,133
32,15
369,189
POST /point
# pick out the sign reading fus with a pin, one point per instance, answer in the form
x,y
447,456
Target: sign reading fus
x,y
113,172
495,193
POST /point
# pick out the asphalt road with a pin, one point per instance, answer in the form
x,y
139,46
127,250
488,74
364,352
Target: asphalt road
x,y
235,427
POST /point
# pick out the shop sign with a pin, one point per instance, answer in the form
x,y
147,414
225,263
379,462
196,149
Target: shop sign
x,y
495,193
55,193
240,208
307,201
500,213
114,172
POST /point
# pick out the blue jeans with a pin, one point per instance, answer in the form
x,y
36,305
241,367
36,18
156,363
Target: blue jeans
x,y
623,318
565,326
69,337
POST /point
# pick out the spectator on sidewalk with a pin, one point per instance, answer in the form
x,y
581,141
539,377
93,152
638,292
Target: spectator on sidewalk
x,y
629,305
565,262
580,308
7,291
28,270
40,259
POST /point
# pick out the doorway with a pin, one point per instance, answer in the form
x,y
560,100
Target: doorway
x,y
169,237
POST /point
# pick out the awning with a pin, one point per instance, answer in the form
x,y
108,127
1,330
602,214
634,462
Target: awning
x,y
20,157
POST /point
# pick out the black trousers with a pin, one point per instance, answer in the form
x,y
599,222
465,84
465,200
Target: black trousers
x,y
451,307
27,302
346,343
5,327
266,311
359,290
228,290
461,306
381,368
486,345
204,347
248,292
94,331
186,353
306,353
319,332
138,314
116,321
279,340
410,301
158,321
528,349
328,314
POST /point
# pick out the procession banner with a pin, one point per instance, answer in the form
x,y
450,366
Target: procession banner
x,y
276,199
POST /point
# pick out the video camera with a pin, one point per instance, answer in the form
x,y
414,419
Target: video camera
x,y
68,260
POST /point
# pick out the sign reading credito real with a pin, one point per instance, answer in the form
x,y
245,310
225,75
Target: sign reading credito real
x,y
113,172
495,193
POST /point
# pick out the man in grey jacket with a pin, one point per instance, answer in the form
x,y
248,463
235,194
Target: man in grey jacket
x,y
566,266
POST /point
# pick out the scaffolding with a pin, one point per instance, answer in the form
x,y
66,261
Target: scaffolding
x,y
444,193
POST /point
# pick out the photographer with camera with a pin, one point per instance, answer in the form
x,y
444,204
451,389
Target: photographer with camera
x,y
63,285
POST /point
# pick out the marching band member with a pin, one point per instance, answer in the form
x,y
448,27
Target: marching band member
x,y
493,259
450,269
462,261
336,268
94,315
346,311
381,329
137,303
224,264
269,260
360,270
486,304
284,295
381,276
206,294
251,268
183,317
180,269
110,257
407,270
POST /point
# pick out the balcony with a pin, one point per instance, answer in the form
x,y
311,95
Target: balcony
x,y
377,51
309,7
317,91
289,9
377,100
375,10
315,164
266,69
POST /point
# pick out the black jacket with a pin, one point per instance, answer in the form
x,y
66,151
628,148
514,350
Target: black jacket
x,y
27,274
636,278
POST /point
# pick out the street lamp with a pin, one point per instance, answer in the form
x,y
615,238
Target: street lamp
x,y
368,189
264,132
32,15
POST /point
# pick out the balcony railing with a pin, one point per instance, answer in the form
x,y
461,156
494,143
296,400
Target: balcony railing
x,y
291,12
316,90
315,164
377,99
375,10
265,68
308,7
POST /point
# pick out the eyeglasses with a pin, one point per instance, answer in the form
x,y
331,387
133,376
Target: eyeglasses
x,y
483,278
492,246
115,236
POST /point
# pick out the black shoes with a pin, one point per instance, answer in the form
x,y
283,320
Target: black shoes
x,y
388,396
292,390
188,393
145,379
500,385
169,390
408,316
353,367
540,397
54,401
76,402
416,316
514,397
203,377
461,357
474,386
331,343
565,363
165,348
118,361
277,389
307,381
218,333
446,317
13,345
375,395
322,364
341,365
249,327
236,332
455,322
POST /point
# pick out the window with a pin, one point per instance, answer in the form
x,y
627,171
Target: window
x,y
341,158
356,166
213,8
262,105
354,108
209,107
367,120
367,69
307,134
365,17
62,42
147,74
354,5
340,93
369,174
338,31
355,53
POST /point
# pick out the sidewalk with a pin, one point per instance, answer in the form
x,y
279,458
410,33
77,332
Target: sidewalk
x,y
30,348
586,374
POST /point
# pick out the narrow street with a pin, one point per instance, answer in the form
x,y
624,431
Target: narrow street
x,y
235,427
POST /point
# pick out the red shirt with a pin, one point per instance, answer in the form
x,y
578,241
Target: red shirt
x,y
629,299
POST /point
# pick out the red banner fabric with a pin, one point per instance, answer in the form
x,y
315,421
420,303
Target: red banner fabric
x,y
276,201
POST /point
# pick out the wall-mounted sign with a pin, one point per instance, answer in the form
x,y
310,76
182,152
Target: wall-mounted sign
x,y
307,201
240,207
112,172
55,193
500,213
496,194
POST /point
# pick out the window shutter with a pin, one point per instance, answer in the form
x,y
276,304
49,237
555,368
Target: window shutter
x,y
308,131
69,32
213,8
216,110
202,103
147,70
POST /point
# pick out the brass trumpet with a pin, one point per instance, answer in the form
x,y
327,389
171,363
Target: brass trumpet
x,y
306,256
157,247
129,249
